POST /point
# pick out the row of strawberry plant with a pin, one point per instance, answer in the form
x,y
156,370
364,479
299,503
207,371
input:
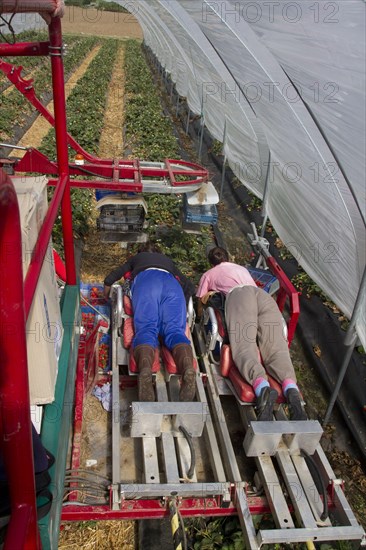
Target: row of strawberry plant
x,y
16,109
150,136
85,110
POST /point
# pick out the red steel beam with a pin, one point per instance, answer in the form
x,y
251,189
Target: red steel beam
x,y
131,171
15,421
154,508
59,100
24,49
287,290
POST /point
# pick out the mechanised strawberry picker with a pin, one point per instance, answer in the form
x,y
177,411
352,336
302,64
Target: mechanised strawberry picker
x,y
162,459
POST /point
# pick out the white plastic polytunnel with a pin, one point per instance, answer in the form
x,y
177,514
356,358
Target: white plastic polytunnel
x,y
282,85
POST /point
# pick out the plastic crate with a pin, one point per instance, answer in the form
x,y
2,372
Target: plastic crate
x,y
99,194
119,227
124,213
105,356
264,279
93,292
121,217
200,214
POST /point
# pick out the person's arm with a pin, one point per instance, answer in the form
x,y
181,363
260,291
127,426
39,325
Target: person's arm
x,y
114,276
106,291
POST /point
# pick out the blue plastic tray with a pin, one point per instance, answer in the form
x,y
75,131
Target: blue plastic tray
x,y
263,278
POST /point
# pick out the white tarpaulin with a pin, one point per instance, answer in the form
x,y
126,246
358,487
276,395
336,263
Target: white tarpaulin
x,y
285,83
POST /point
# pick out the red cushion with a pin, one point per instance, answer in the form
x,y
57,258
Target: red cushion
x,y
169,362
127,304
133,364
128,332
244,390
220,324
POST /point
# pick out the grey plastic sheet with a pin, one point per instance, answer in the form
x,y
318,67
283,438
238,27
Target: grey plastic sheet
x,y
283,81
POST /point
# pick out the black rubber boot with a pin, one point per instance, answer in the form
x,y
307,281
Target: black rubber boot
x,y
265,403
183,357
297,411
144,357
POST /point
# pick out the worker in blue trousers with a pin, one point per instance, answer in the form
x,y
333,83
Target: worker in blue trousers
x,y
159,295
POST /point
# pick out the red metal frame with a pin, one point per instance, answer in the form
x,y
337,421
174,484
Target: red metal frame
x,y
126,176
287,290
154,508
15,425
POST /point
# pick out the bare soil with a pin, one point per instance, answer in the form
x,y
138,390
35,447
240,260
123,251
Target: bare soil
x,y
96,263
93,22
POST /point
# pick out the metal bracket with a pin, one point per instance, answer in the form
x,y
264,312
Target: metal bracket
x,y
153,419
264,438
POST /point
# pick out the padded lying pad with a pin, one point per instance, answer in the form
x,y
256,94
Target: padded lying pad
x,y
169,362
128,332
244,390
127,304
133,366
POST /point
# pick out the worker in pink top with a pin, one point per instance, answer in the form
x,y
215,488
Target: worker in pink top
x,y
253,320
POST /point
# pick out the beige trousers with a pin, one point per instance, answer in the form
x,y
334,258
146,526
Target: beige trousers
x,y
255,322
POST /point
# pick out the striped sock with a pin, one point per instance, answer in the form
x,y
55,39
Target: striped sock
x,y
287,384
259,384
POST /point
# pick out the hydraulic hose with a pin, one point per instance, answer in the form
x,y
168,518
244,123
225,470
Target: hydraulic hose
x,y
191,448
317,478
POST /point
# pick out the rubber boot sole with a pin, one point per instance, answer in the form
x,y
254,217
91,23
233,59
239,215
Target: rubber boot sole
x,y
265,409
146,388
188,387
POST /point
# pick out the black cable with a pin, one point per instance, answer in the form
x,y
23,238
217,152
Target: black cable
x,y
91,483
314,471
10,27
89,472
193,454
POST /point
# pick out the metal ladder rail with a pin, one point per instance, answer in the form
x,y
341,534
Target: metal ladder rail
x,y
116,317
272,485
302,479
305,500
228,453
208,433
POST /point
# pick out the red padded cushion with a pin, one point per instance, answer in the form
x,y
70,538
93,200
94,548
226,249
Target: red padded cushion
x,y
169,362
220,324
127,304
133,364
128,332
226,360
244,390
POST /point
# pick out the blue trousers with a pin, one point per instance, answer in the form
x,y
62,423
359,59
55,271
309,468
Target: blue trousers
x,y
159,309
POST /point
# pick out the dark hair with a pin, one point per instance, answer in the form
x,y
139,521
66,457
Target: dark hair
x,y
148,247
218,255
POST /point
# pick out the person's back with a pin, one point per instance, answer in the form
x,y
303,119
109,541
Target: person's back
x,y
223,277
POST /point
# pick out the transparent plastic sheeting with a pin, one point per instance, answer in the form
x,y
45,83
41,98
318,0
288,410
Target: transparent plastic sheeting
x,y
282,84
